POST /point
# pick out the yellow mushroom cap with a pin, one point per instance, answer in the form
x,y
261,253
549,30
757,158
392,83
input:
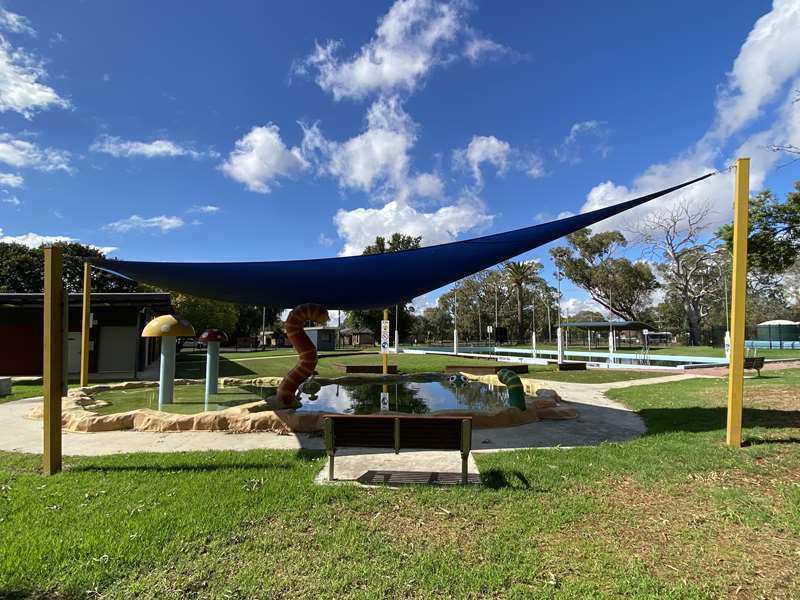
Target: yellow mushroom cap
x,y
168,325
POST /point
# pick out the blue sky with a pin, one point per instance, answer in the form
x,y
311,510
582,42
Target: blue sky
x,y
255,131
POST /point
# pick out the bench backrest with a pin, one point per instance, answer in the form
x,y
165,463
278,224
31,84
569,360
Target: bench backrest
x,y
384,431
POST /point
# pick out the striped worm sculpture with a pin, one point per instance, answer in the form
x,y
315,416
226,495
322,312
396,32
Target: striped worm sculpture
x,y
307,352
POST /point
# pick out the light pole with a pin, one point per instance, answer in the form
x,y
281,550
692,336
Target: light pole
x,y
558,328
455,320
727,313
496,290
533,326
396,328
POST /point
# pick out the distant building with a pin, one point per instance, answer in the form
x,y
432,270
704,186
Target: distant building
x,y
116,345
353,336
324,338
272,339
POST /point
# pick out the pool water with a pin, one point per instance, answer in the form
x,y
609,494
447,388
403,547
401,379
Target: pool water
x,y
187,399
360,398
407,397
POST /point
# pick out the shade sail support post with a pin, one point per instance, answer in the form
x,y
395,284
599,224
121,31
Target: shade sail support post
x,y
733,436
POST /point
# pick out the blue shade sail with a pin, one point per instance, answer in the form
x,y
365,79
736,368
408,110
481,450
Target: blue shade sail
x,y
359,282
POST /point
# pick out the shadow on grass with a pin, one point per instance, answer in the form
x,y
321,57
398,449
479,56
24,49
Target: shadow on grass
x,y
698,419
497,479
758,441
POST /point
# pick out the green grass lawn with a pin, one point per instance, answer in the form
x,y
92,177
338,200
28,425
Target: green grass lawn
x,y
676,350
27,390
277,366
273,364
674,514
22,390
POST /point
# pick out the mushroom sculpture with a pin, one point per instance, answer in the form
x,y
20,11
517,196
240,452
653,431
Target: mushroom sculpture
x,y
212,338
167,327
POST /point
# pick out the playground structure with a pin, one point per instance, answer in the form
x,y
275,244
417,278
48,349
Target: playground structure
x,y
168,328
212,338
388,279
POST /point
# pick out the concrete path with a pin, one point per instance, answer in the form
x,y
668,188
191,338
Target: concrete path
x,y
599,420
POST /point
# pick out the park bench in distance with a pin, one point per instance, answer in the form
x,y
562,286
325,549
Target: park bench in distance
x,y
754,363
406,432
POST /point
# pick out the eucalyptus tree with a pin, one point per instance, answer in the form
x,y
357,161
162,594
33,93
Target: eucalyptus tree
x,y
520,275
591,261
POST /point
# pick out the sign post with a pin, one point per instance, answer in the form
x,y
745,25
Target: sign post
x,y
385,341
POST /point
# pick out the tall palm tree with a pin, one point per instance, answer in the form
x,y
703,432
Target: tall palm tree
x,y
519,275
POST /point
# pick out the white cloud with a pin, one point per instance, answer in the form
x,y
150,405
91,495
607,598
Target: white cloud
x,y
12,200
768,59
411,39
380,153
427,185
20,153
359,227
205,208
260,157
35,240
483,149
376,160
120,148
21,87
570,149
498,153
15,23
325,241
480,48
11,180
573,306
135,222
768,64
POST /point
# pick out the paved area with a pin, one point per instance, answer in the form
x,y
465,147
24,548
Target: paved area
x,y
599,420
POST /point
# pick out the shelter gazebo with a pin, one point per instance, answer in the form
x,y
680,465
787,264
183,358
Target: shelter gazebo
x,y
612,328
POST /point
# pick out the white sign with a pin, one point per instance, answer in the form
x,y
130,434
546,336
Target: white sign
x,y
384,400
384,337
488,329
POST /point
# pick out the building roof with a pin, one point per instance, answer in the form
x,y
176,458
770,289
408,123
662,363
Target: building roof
x,y
357,331
157,301
627,325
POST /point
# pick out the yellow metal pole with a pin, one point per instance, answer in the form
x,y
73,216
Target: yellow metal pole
x,y
86,323
53,357
738,289
385,356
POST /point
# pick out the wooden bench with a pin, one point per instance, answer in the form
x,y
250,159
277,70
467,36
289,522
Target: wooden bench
x,y
754,363
411,432
378,369
485,370
572,366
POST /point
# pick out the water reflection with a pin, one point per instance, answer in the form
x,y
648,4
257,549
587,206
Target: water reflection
x,y
407,397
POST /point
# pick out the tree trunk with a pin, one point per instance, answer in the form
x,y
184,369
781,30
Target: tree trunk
x,y
519,313
693,320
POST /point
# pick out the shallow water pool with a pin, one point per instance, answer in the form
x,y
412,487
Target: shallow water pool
x,y
415,397
406,396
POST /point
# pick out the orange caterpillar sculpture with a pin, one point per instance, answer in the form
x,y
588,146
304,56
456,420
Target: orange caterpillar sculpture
x,y
307,352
